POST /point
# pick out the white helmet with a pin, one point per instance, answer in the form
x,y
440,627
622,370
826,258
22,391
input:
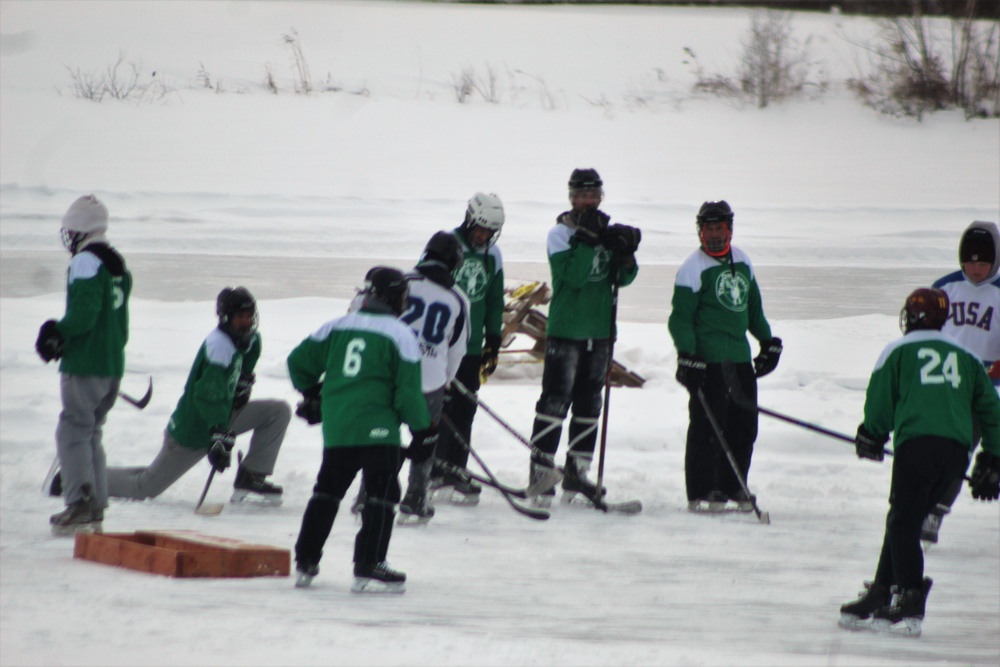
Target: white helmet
x,y
486,211
86,217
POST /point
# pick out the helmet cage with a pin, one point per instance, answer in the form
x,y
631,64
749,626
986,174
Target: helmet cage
x,y
485,211
71,240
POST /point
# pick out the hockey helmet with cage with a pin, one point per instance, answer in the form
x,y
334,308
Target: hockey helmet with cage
x,y
231,302
715,211
388,287
445,249
926,308
485,211
86,217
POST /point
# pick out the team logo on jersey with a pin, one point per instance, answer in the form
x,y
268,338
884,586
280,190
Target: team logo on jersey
x,y
379,433
472,277
732,291
602,264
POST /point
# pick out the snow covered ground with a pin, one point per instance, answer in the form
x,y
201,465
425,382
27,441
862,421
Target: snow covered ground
x,y
295,196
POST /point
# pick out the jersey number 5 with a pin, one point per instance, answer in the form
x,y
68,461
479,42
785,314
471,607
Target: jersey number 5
x,y
930,373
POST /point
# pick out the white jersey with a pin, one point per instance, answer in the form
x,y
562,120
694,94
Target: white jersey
x,y
975,314
439,316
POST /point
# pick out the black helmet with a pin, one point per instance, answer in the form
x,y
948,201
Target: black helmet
x,y
925,308
444,248
715,211
231,301
387,286
585,179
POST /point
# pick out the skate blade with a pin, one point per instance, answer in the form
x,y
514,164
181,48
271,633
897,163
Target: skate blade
x,y
460,499
906,627
210,509
244,497
412,520
852,622
376,587
542,502
73,529
303,580
575,499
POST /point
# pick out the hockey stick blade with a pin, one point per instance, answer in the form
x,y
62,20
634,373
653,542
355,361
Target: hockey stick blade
x,y
139,402
210,509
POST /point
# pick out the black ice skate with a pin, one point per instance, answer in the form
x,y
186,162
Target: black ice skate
x,y
253,487
905,614
378,578
858,615
457,490
414,510
305,573
575,482
79,517
715,502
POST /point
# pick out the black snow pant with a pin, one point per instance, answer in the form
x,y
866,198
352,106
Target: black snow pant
x,y
706,467
923,469
574,375
379,466
461,410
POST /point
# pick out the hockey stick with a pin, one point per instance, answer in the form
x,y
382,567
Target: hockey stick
x,y
213,509
607,397
763,517
500,420
529,512
139,402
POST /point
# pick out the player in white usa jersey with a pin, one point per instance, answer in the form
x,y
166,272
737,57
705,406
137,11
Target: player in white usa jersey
x,y
974,322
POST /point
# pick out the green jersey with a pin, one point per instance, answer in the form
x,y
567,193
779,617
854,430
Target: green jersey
x,y
582,283
480,276
207,401
715,303
95,325
926,384
369,364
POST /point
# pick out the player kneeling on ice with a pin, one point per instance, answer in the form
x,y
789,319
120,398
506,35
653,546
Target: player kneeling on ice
x,y
215,408
360,376
927,390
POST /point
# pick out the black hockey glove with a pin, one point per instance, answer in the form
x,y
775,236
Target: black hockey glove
x,y
590,226
422,446
985,480
767,360
690,371
491,356
220,451
869,446
621,240
243,388
310,407
49,344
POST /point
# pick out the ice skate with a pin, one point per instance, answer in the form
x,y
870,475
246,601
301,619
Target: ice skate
x,y
575,482
305,573
905,613
714,503
459,491
414,510
378,578
252,487
537,474
857,615
78,517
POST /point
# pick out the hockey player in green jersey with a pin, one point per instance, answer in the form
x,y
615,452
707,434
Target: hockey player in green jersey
x,y
214,408
480,275
89,341
588,259
360,377
716,301
925,389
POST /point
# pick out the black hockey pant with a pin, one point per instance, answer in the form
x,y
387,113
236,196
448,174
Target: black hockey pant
x,y
379,466
706,467
923,469
574,375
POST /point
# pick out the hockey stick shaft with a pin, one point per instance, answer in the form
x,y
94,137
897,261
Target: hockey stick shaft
x,y
139,402
462,389
607,396
208,483
763,517
538,514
